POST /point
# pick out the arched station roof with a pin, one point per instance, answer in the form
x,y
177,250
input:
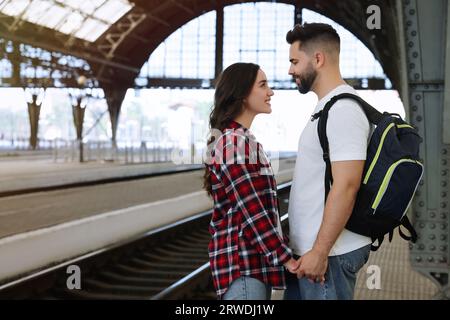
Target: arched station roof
x,y
116,37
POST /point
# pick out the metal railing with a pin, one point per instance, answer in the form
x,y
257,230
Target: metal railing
x,y
22,144
125,152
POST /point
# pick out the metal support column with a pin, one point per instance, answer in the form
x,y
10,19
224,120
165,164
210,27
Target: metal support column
x,y
34,110
78,120
15,61
219,42
425,29
402,60
446,117
298,19
114,98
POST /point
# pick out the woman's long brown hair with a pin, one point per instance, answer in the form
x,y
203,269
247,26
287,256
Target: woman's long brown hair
x,y
234,85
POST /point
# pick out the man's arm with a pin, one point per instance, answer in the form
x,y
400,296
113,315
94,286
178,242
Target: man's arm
x,y
339,205
347,177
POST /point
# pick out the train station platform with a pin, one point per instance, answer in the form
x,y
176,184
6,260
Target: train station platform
x,y
398,281
29,172
24,176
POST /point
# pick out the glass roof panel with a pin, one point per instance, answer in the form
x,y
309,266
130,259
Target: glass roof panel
x,y
13,8
84,19
88,6
111,11
35,10
49,16
85,6
72,23
91,29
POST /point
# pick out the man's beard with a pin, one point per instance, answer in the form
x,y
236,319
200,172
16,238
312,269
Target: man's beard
x,y
307,80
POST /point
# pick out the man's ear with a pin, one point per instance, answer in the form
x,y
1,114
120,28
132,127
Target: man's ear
x,y
319,59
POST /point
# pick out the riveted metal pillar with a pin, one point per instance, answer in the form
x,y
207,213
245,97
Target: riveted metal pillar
x,y
446,118
402,60
424,29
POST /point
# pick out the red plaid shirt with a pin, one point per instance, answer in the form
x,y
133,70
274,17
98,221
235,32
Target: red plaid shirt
x,y
245,239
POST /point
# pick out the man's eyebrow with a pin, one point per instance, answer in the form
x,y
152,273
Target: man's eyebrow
x,y
263,81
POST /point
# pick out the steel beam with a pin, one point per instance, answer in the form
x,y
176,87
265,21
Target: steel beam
x,y
424,23
446,117
219,42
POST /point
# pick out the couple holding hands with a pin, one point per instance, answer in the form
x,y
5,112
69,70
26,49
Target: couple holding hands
x,y
249,256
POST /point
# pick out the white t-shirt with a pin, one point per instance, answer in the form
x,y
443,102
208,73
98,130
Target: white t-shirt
x,y
348,133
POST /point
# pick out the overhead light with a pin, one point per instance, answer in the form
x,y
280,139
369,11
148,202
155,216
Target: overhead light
x,y
81,80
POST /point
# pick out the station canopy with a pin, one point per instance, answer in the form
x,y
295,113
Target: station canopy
x,y
86,20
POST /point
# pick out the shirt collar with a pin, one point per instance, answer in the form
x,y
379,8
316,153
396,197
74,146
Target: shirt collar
x,y
237,126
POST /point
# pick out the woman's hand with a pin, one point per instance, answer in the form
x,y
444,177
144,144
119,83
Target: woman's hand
x,y
292,265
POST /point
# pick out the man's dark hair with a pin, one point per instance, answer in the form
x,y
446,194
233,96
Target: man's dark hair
x,y
311,34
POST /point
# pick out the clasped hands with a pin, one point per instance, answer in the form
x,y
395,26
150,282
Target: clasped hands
x,y
311,265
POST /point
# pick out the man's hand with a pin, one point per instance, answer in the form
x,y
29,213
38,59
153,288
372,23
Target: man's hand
x,y
292,265
313,265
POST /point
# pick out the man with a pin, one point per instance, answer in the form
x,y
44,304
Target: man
x,y
330,255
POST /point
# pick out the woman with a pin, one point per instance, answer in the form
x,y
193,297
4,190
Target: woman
x,y
247,252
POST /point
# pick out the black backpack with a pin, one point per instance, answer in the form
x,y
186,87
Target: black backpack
x,y
391,174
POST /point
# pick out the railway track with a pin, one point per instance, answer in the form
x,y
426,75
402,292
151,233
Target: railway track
x,y
167,263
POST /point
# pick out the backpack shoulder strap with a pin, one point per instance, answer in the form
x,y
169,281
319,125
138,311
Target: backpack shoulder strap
x,y
322,132
372,114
